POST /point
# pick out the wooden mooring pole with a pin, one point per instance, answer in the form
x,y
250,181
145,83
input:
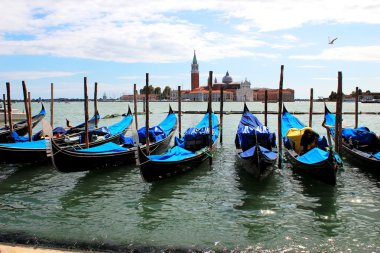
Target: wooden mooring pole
x,y
280,117
30,115
357,107
9,107
135,105
338,121
52,105
209,109
311,109
5,110
221,114
86,140
147,113
179,112
96,104
266,108
26,104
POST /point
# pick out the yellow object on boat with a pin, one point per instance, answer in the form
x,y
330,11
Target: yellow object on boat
x,y
295,135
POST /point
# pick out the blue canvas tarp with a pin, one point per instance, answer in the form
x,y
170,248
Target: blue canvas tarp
x,y
289,121
197,137
40,144
251,152
315,155
377,155
108,147
126,140
360,135
330,119
120,126
160,131
174,154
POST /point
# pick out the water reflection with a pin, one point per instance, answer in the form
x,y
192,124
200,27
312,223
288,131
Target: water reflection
x,y
159,197
321,199
92,185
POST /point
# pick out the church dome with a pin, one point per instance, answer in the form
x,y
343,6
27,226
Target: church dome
x,y
227,78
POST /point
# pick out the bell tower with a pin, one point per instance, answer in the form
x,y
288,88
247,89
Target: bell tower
x,y
194,73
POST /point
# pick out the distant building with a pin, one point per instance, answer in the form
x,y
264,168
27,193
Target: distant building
x,y
194,73
140,97
273,95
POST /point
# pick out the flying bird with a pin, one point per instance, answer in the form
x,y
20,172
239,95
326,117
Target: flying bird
x,y
332,41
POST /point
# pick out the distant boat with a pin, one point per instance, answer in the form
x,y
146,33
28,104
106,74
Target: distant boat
x,y
16,114
370,101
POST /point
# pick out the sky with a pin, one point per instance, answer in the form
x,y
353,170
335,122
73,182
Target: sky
x,y
115,42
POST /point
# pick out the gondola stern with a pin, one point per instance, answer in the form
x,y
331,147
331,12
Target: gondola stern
x,y
170,109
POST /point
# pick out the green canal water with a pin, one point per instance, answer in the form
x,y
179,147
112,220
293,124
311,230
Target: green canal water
x,y
214,207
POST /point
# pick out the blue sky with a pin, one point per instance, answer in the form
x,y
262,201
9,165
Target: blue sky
x,y
116,42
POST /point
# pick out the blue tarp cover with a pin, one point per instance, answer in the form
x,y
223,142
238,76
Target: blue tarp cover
x,y
289,121
251,152
330,119
174,154
178,153
362,135
249,128
202,128
315,155
160,131
120,126
126,140
41,144
377,155
108,147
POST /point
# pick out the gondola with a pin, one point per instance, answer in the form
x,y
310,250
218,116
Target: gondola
x,y
111,154
35,151
254,143
360,145
188,152
320,162
21,128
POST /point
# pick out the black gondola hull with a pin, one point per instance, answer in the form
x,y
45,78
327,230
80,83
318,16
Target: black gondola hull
x,y
153,171
65,160
258,168
362,159
324,171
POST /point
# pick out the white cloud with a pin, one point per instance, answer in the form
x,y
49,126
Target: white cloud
x,y
29,75
154,31
363,53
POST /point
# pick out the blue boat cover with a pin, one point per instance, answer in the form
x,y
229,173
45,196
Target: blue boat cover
x,y
120,126
178,152
103,131
270,155
377,155
126,140
315,155
174,154
330,119
360,135
202,128
108,147
289,121
251,128
160,131
40,144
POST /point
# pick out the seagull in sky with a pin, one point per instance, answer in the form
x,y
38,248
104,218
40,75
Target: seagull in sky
x,y
332,41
